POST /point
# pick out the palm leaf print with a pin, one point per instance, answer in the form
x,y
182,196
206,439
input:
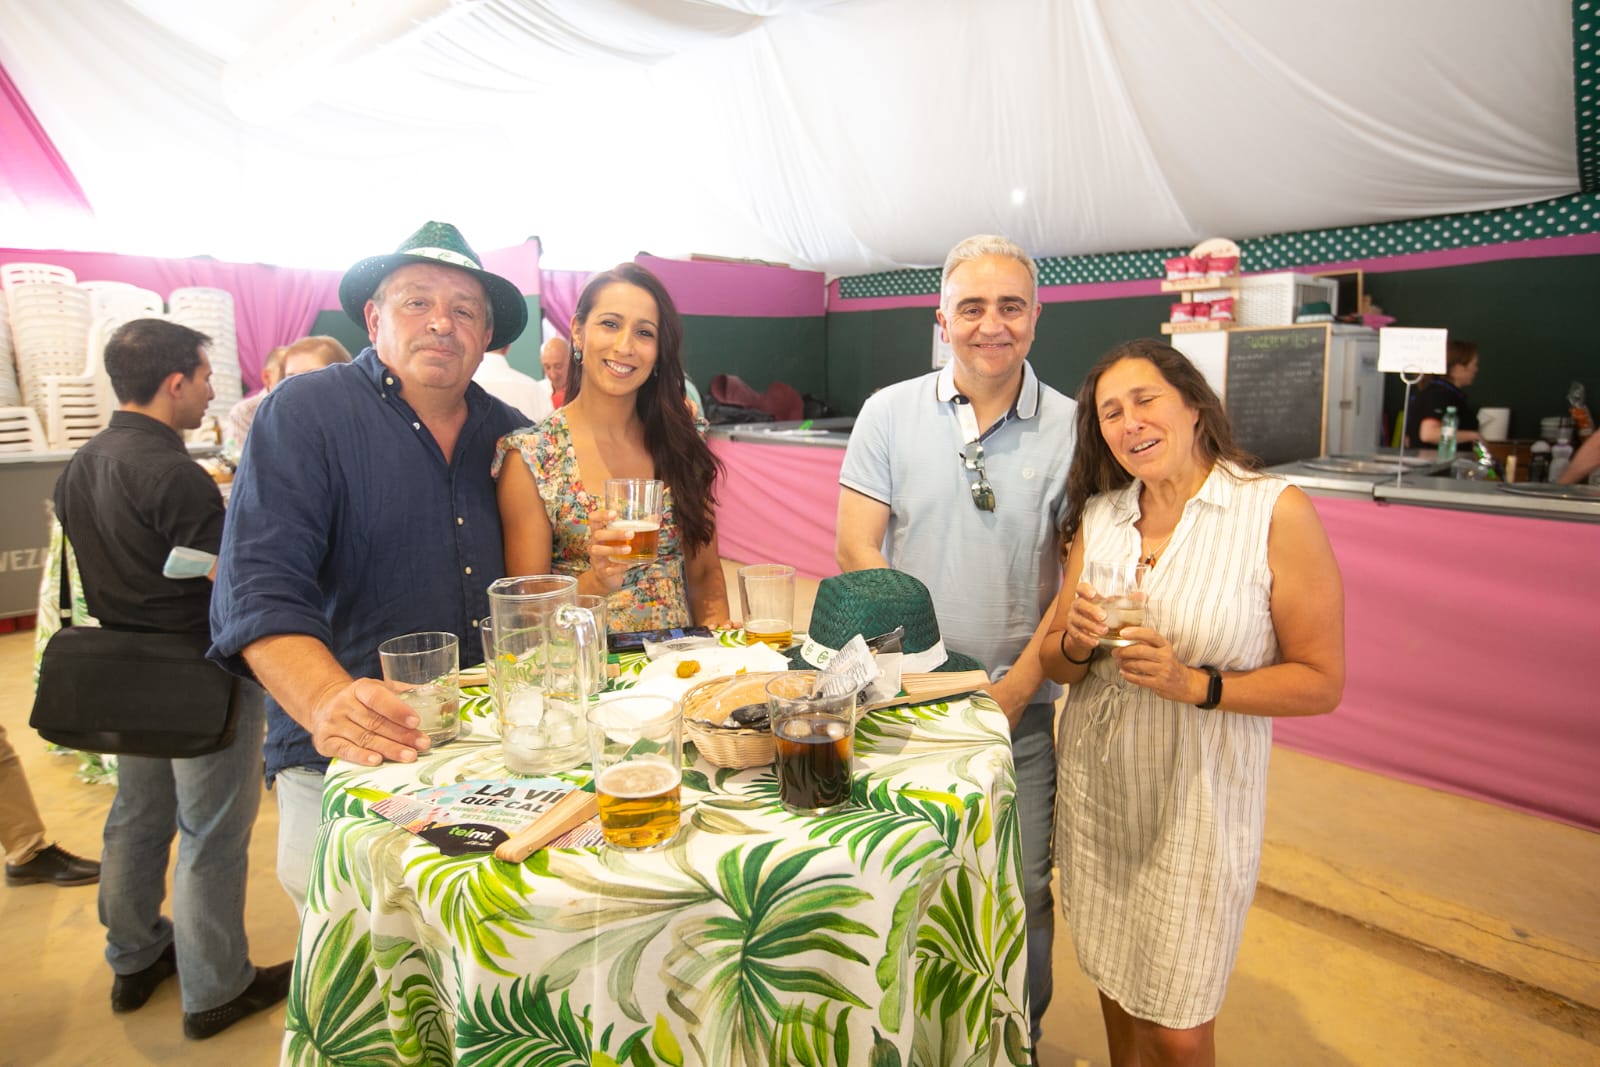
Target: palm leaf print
x,y
334,1011
737,965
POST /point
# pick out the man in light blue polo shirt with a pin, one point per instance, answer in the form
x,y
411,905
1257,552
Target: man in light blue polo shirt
x,y
959,477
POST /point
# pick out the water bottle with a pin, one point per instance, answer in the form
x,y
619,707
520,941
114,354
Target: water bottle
x,y
1560,457
1447,436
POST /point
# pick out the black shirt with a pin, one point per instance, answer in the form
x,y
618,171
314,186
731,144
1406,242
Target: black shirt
x,y
1429,402
128,498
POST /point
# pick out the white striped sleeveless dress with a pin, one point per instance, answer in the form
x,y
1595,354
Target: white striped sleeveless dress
x,y
1159,805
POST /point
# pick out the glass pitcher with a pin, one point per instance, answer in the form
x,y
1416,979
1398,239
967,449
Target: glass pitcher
x,y
543,673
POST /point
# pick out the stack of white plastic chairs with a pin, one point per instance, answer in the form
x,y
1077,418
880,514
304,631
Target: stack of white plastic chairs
x,y
211,312
110,304
19,425
50,318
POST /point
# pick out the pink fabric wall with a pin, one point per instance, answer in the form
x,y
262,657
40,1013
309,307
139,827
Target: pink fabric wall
x,y
742,290
1471,644
776,504
33,176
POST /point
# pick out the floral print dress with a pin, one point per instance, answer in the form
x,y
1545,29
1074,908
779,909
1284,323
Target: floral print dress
x,y
652,596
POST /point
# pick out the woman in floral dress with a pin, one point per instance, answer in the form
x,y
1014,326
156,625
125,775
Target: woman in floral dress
x,y
625,418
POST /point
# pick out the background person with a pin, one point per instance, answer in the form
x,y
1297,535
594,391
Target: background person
x,y
1436,393
312,354
363,510
1164,744
529,395
560,368
126,500
627,419
29,859
959,478
241,414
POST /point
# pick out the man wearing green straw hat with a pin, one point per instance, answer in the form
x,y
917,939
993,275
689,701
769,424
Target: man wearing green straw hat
x,y
959,478
363,510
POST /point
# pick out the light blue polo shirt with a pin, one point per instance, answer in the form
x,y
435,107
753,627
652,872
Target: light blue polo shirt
x,y
992,574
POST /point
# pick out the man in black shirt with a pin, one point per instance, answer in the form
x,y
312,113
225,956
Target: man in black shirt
x,y
126,500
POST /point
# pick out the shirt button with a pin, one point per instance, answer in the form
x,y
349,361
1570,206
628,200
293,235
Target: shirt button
x,y
416,425
460,521
469,570
388,381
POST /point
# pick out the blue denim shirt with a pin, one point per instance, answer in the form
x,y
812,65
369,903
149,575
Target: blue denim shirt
x,y
347,524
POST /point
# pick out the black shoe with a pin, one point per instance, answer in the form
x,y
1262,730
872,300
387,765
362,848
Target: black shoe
x,y
130,991
54,864
270,985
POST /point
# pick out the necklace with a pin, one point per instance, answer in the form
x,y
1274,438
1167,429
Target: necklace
x,y
1150,554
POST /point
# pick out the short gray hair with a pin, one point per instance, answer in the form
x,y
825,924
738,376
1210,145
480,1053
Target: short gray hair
x,y
986,244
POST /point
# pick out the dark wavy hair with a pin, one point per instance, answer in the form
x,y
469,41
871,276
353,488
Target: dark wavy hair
x,y
1094,466
681,456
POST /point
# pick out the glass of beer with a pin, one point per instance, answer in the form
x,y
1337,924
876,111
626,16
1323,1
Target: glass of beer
x,y
767,590
814,735
636,502
1120,594
424,670
636,741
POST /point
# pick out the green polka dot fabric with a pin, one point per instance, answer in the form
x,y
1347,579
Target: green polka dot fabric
x,y
1563,217
1585,91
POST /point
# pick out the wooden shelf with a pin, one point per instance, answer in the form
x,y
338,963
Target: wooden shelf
x,y
1196,327
1230,282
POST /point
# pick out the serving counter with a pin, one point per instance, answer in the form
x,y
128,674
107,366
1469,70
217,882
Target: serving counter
x,y
780,492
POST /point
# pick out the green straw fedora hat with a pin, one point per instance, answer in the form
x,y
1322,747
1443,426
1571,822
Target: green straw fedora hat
x,y
438,243
874,602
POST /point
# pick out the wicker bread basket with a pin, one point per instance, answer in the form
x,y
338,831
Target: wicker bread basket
x,y
710,702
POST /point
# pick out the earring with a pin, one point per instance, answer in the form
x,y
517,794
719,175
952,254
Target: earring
x,y
577,355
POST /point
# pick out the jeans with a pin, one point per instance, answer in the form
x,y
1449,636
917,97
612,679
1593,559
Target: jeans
x,y
211,803
299,792
1033,751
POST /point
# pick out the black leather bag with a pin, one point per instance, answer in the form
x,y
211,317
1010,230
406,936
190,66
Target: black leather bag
x,y
132,693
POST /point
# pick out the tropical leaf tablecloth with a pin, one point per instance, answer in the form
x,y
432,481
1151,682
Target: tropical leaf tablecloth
x,y
888,934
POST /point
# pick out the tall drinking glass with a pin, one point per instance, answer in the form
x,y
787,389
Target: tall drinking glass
x,y
424,671
767,590
636,743
814,736
542,679
637,503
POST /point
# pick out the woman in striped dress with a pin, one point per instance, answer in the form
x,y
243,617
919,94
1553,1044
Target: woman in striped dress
x,y
1162,765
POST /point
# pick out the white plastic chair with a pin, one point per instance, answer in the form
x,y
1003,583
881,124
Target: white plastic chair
x,y
12,274
20,431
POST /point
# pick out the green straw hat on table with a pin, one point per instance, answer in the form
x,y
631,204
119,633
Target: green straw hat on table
x,y
874,602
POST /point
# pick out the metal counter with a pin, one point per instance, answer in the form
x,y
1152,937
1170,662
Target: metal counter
x,y
1426,487
813,433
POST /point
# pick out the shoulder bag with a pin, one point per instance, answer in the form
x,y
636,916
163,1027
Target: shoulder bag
x,y
131,693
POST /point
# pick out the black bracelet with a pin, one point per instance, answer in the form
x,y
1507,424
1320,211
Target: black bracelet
x,y
1068,657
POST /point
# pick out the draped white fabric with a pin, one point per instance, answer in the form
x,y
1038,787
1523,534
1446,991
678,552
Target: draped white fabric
x,y
843,135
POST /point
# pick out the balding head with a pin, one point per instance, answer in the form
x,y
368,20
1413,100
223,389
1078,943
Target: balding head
x,y
313,353
556,357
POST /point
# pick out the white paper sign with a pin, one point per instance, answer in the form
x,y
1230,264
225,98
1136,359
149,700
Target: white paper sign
x,y
1409,350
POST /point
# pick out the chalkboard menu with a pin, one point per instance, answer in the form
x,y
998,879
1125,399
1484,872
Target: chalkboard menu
x,y
1276,391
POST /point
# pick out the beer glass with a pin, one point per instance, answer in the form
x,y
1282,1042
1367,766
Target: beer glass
x,y
636,743
767,590
542,677
637,505
814,735
1118,593
424,671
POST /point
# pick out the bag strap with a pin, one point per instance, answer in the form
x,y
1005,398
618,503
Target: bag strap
x,y
66,592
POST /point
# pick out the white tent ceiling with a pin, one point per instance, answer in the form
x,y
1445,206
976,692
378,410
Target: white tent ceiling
x,y
844,135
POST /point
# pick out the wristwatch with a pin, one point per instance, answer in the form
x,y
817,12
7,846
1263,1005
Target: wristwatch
x,y
1213,688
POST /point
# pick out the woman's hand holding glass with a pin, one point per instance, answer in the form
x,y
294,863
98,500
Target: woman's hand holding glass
x,y
606,545
1151,663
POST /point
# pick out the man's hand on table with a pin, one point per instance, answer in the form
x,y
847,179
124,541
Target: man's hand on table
x,y
1012,697
361,721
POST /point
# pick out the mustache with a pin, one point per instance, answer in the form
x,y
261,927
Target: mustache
x,y
443,341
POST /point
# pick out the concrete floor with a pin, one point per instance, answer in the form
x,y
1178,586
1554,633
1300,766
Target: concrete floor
x,y
1394,925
